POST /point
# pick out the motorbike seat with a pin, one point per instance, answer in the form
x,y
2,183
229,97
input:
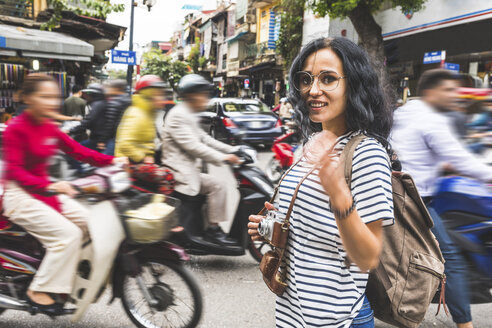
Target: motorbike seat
x,y
7,228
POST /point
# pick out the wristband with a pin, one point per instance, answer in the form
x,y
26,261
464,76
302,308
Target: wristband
x,y
341,215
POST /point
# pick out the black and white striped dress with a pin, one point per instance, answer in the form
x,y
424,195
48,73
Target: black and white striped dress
x,y
321,291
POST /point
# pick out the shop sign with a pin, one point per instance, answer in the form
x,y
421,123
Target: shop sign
x,y
452,67
123,57
3,42
233,68
246,83
434,57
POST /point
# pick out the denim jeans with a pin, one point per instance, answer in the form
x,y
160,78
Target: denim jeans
x,y
457,293
365,318
109,148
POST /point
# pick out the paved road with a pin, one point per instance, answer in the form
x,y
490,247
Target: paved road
x,y
234,296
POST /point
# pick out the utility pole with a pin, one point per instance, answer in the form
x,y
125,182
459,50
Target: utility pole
x,y
129,73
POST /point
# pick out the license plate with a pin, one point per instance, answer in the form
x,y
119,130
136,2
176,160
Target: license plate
x,y
255,125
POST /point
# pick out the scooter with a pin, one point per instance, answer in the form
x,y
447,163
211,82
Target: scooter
x,y
254,188
155,288
283,150
465,206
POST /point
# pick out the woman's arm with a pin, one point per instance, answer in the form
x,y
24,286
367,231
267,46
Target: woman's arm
x,y
361,230
81,153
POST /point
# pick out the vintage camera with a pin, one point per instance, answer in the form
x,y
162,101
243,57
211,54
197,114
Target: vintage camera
x,y
266,225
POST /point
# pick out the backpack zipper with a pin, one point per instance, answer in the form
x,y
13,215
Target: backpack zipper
x,y
432,272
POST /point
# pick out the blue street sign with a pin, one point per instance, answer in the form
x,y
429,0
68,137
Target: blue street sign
x,y
452,67
433,57
124,57
3,42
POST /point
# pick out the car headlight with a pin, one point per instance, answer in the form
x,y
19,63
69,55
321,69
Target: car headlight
x,y
119,182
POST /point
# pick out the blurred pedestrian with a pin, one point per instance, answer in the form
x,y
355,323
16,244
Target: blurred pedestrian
x,y
184,143
118,101
335,228
135,136
58,222
94,120
423,139
285,109
74,105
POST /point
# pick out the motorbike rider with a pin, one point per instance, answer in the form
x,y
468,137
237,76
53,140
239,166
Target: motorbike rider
x,y
184,143
58,222
118,101
136,132
423,138
94,120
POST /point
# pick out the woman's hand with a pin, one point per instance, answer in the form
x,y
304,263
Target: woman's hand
x,y
253,223
332,176
148,160
63,187
120,161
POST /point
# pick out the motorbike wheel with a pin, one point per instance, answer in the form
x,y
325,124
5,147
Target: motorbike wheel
x,y
178,298
274,171
258,248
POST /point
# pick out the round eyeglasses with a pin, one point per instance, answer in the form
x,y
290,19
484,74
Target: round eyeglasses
x,y
327,81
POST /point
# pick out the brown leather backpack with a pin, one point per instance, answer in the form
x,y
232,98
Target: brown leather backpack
x,y
411,266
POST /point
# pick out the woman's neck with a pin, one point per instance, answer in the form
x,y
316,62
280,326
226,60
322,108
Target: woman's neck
x,y
336,126
38,119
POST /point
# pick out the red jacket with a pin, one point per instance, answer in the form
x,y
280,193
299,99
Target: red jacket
x,y
27,147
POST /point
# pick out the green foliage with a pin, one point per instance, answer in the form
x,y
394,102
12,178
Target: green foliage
x,y
94,8
342,8
117,74
291,23
154,62
196,62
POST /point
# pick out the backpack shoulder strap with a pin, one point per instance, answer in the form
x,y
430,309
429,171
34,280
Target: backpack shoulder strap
x,y
348,154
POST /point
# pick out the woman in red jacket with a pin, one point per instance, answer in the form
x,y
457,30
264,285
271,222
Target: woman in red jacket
x,y
58,222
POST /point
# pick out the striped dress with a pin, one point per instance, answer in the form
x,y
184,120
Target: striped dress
x,y
321,291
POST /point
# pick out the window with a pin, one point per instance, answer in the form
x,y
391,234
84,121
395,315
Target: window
x,y
252,107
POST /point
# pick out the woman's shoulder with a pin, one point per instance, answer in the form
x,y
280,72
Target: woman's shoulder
x,y
370,150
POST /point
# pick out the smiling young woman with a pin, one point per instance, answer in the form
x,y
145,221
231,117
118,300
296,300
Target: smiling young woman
x,y
336,95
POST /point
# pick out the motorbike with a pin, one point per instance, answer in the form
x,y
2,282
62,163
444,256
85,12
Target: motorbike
x,y
155,288
254,189
465,206
283,150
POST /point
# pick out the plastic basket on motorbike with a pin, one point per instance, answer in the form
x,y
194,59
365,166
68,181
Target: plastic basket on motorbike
x,y
151,218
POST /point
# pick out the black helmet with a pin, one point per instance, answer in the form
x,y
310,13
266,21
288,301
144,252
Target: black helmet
x,y
94,89
193,83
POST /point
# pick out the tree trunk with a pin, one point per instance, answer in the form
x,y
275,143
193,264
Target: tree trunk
x,y
371,40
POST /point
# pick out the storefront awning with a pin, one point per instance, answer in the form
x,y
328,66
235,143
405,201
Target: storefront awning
x,y
44,43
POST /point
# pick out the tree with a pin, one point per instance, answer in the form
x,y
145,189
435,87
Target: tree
x,y
360,13
91,8
194,59
116,74
169,70
290,37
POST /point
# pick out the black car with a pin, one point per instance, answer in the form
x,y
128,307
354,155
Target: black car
x,y
226,117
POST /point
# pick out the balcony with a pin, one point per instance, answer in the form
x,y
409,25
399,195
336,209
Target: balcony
x,y
261,3
17,8
258,50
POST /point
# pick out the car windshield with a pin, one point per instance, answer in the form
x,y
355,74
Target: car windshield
x,y
253,107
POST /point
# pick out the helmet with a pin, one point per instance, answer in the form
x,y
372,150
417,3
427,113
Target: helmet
x,y
94,88
149,81
193,83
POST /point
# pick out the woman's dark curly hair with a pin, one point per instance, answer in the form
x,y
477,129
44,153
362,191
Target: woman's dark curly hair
x,y
366,110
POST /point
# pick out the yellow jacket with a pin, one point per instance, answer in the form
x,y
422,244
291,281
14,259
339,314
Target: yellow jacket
x,y
136,132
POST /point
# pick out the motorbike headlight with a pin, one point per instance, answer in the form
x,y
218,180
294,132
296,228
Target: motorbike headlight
x,y
119,182
251,153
